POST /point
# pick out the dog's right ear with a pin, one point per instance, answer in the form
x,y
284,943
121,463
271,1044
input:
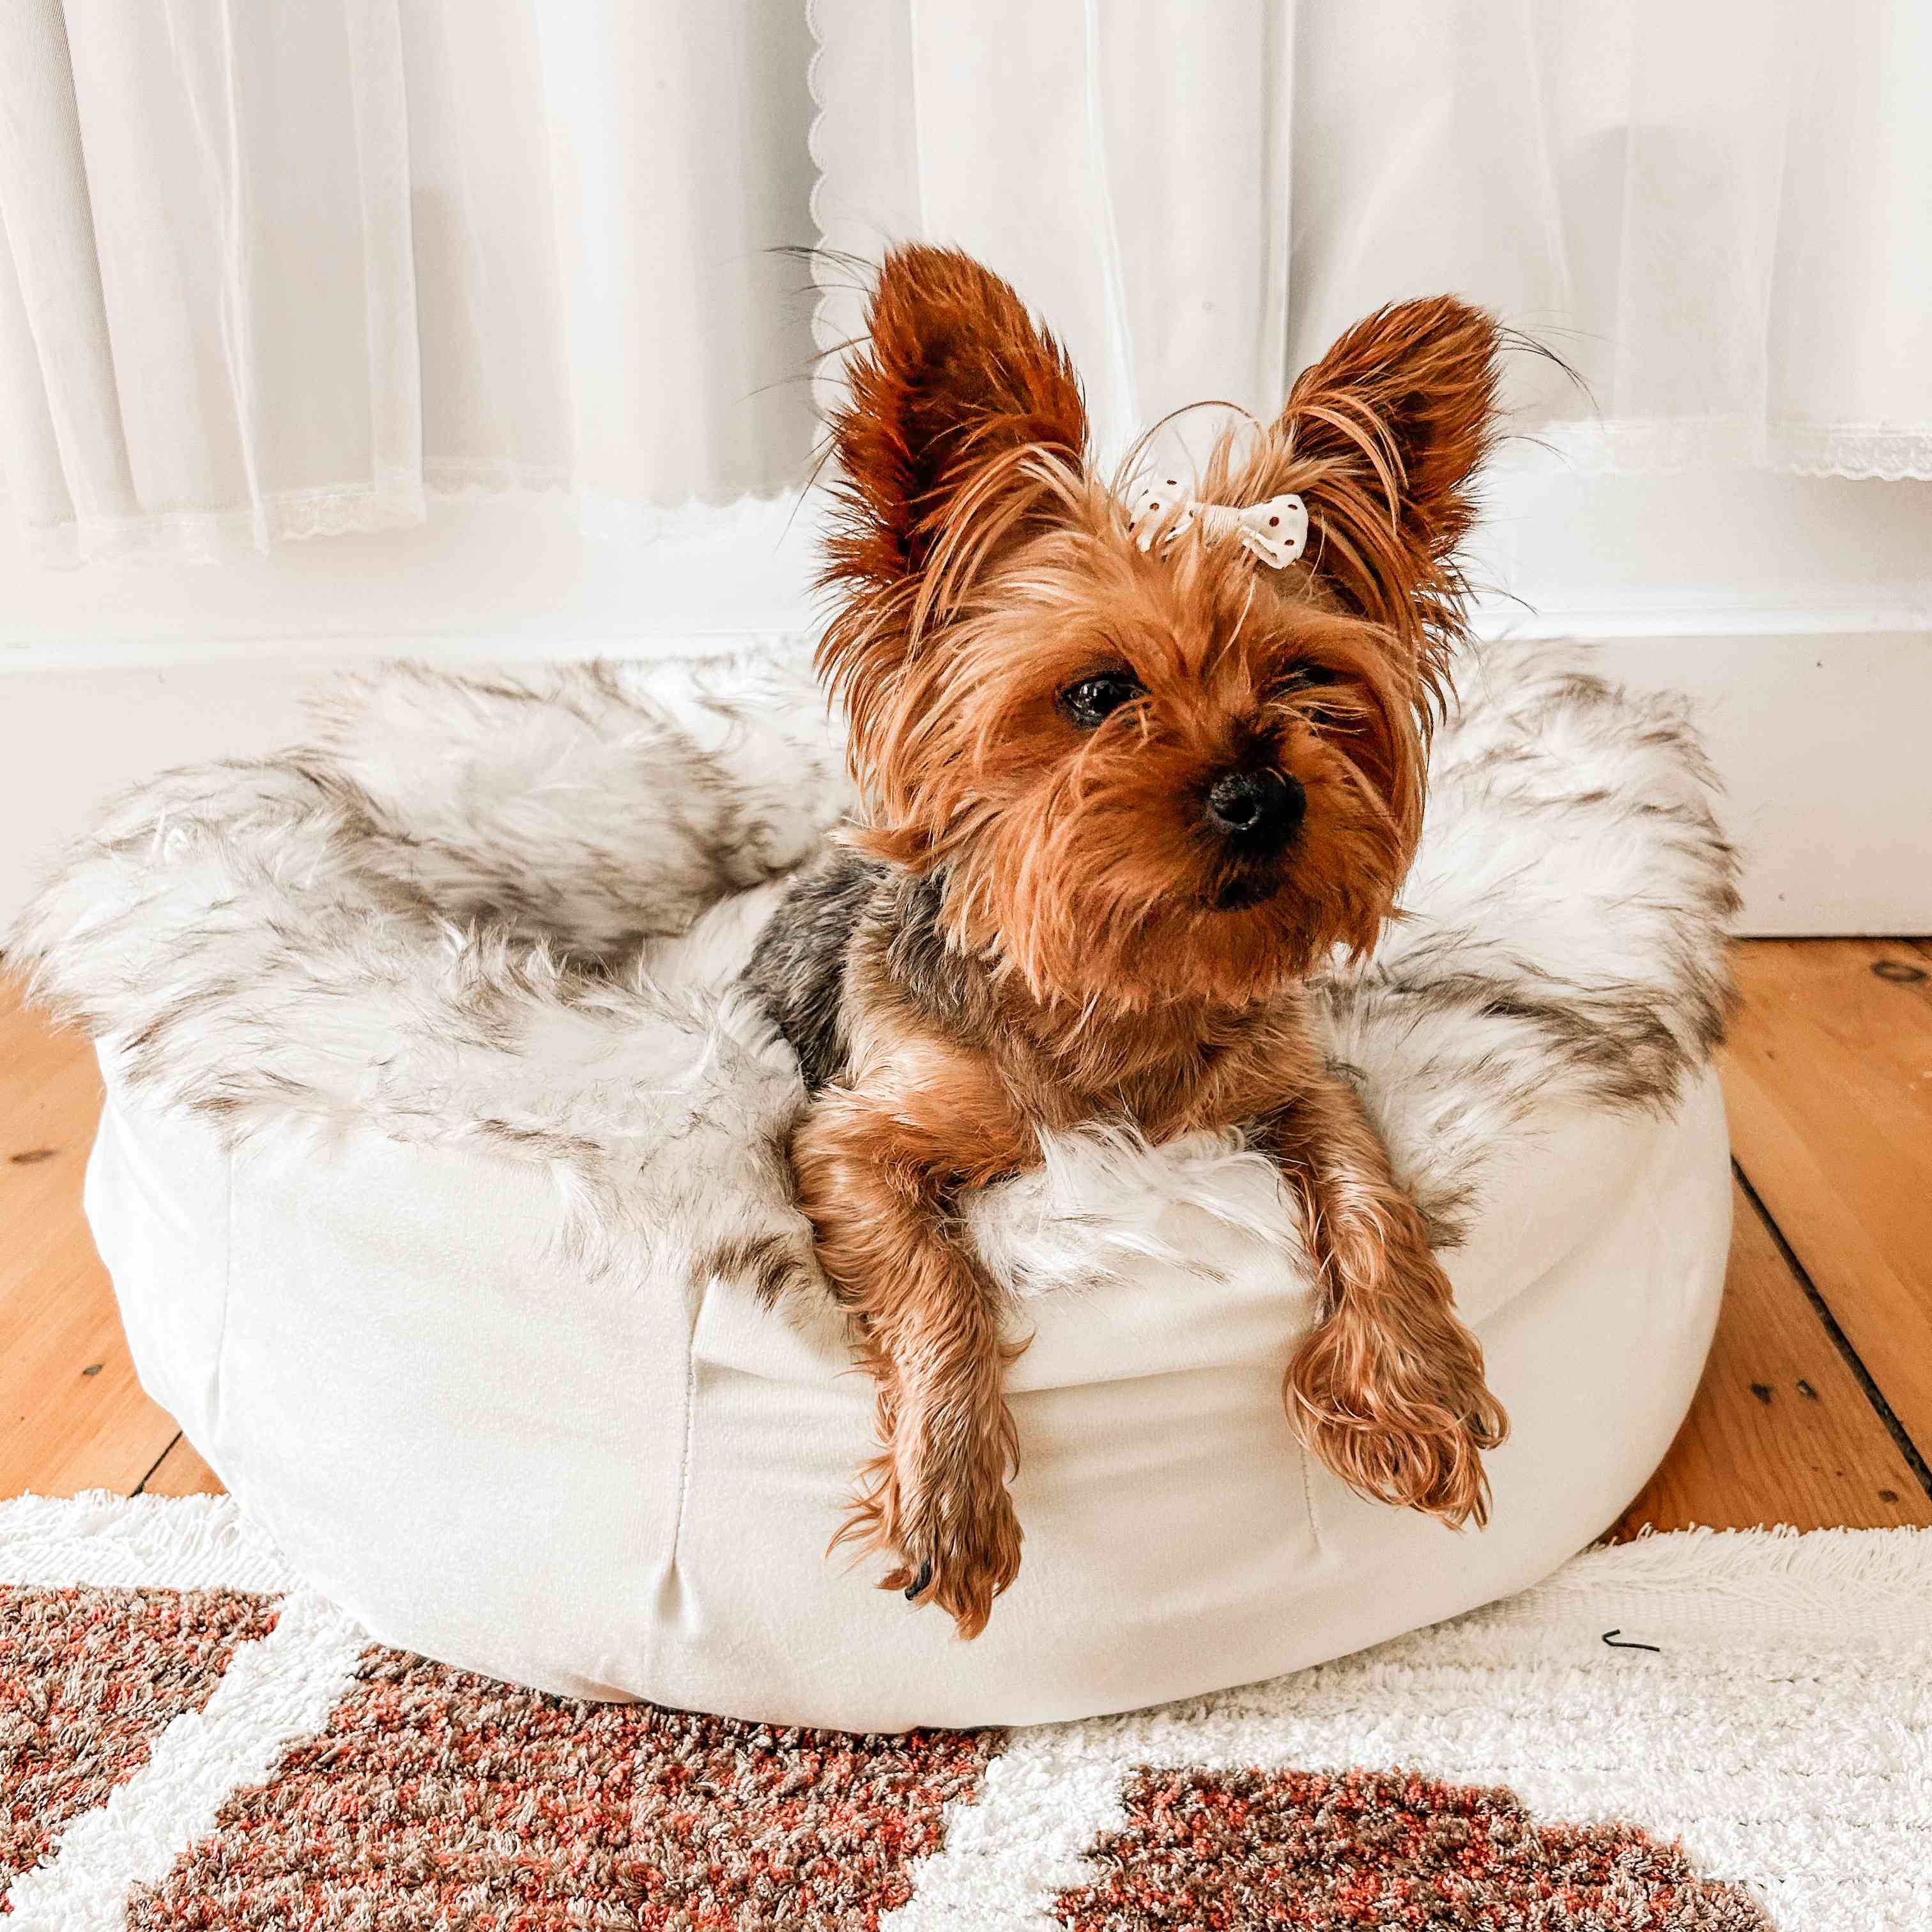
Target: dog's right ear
x,y
955,387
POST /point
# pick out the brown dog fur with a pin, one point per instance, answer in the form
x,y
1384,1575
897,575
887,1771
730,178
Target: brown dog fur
x,y
1108,956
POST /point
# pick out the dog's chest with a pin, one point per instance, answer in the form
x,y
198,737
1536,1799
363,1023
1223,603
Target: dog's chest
x,y
1164,1085
855,940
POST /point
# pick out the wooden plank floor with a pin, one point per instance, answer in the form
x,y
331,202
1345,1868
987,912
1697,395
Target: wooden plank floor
x,y
1816,1409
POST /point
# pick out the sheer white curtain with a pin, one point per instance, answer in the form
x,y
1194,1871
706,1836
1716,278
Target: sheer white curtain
x,y
1125,162
1718,211
268,272
273,271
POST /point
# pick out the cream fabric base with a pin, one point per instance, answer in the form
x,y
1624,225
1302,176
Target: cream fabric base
x,y
513,1462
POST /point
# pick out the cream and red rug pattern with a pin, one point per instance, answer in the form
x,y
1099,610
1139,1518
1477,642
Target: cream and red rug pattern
x,y
1717,1731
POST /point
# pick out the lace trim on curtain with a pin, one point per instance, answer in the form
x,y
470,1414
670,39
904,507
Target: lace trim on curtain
x,y
203,536
460,477
749,525
761,518
1654,445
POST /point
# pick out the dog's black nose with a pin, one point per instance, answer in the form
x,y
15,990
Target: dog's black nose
x,y
1256,809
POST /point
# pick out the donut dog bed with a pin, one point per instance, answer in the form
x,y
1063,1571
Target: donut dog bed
x,y
441,1179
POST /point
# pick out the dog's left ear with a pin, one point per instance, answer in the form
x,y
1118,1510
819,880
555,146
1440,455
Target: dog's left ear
x,y
964,432
955,384
1382,438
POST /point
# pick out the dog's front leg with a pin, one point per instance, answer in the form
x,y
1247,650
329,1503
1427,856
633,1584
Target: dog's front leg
x,y
881,1165
1388,1390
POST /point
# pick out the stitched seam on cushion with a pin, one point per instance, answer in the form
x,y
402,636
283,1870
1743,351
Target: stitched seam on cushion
x,y
1308,1498
690,1430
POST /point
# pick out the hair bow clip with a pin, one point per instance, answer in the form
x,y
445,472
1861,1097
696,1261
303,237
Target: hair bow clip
x,y
1276,532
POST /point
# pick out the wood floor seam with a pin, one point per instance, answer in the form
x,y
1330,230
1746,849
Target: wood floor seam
x,y
1873,1393
142,1484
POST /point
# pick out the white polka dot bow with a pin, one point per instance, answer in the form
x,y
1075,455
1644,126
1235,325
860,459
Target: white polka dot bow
x,y
1276,531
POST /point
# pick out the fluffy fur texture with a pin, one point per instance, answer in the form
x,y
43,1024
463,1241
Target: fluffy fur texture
x,y
448,914
1124,789
284,947
257,945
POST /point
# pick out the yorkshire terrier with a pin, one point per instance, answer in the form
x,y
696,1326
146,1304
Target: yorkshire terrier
x,y
1132,772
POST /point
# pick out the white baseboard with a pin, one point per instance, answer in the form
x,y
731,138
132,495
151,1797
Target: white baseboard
x,y
1820,737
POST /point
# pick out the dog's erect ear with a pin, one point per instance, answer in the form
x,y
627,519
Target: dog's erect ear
x,y
1382,438
955,382
1404,407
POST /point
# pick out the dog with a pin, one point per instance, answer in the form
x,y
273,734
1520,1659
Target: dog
x,y
1135,765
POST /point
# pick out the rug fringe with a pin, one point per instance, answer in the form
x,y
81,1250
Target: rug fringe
x,y
1890,1561
167,1542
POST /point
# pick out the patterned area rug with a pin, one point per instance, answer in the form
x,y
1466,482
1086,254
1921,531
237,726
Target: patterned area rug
x,y
1722,1732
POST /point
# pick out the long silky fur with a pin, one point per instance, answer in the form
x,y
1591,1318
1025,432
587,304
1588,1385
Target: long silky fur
x,y
973,547
296,945
1384,440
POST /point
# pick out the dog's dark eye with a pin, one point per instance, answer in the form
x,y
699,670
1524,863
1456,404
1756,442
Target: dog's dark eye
x,y
1304,675
1094,698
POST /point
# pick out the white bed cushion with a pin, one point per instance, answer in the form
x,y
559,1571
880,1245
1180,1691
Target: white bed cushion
x,y
440,1178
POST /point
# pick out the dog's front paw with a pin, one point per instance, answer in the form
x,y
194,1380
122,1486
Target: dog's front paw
x,y
1397,1405
951,1535
958,1556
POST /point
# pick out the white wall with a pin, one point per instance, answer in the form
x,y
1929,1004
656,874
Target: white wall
x,y
73,737
1797,614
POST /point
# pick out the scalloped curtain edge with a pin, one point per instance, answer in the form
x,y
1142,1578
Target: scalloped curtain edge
x,y
1857,452
205,536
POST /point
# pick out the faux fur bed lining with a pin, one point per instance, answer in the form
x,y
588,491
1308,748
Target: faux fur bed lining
x,y
507,911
